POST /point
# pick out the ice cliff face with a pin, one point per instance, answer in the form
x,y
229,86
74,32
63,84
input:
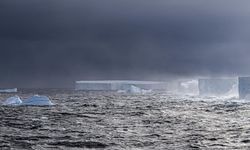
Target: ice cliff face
x,y
217,87
244,87
115,85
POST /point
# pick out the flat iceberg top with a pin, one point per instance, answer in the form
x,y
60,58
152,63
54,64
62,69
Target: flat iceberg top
x,y
121,81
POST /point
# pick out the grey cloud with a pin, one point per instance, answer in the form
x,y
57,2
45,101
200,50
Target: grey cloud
x,y
52,43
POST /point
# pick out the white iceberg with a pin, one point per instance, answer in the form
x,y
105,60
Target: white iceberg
x,y
188,87
14,101
218,86
121,91
35,100
38,100
14,90
131,89
116,85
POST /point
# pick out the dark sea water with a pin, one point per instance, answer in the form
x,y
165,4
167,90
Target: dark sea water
x,y
103,120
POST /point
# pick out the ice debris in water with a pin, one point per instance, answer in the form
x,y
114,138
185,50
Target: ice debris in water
x,y
15,100
35,100
134,90
188,87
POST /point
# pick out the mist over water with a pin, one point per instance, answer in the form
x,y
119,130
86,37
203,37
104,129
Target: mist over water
x,y
48,45
109,120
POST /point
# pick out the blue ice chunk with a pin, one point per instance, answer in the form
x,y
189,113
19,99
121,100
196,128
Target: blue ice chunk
x,y
38,100
13,101
134,90
131,89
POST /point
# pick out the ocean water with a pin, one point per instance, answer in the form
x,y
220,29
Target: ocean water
x,y
108,120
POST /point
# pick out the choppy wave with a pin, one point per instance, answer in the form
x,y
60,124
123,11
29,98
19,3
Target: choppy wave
x,y
101,120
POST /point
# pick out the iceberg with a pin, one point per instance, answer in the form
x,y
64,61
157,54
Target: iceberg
x,y
38,100
217,87
188,87
115,85
132,89
244,87
35,100
14,101
14,90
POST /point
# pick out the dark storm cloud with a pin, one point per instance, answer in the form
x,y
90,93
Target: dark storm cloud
x,y
54,42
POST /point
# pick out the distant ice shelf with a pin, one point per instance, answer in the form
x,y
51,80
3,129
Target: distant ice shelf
x,y
118,85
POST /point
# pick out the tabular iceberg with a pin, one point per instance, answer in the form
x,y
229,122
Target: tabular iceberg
x,y
14,101
115,85
244,87
217,87
14,90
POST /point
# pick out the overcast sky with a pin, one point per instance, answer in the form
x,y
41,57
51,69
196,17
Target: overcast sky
x,y
52,43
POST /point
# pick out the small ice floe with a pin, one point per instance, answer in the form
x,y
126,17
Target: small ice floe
x,y
121,91
14,90
189,87
134,90
13,101
38,100
35,100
